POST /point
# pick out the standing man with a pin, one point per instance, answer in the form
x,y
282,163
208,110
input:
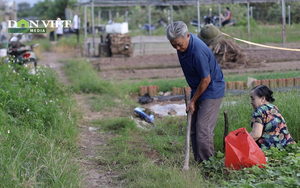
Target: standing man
x,y
227,17
205,77
76,25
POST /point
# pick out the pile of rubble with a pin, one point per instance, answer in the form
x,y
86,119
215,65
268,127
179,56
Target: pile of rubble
x,y
120,44
231,56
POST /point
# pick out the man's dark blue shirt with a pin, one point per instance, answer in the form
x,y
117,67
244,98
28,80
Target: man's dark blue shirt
x,y
197,62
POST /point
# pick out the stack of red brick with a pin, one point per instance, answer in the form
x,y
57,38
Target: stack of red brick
x,y
153,90
271,83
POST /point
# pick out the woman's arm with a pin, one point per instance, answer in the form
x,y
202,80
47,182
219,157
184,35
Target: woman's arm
x,y
257,130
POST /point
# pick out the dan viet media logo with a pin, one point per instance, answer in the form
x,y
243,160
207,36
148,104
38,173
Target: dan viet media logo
x,y
35,26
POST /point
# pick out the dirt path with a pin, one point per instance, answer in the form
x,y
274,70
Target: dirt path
x,y
91,140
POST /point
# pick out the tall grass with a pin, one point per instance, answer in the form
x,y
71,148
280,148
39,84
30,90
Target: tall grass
x,y
84,78
38,132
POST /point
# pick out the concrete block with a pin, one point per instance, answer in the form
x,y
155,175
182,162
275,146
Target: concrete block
x,y
265,82
256,83
297,81
153,90
176,91
188,90
231,85
289,82
240,85
281,82
273,83
143,90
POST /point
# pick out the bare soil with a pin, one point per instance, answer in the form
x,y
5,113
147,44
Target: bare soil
x,y
167,65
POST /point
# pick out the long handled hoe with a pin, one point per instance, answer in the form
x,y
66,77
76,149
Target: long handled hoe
x,y
188,132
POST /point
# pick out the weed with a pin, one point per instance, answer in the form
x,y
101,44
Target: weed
x,y
84,78
38,130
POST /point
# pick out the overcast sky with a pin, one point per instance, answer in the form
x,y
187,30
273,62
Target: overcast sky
x,y
31,2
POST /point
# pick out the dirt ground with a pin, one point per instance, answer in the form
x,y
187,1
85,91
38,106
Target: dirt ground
x,y
167,65
91,141
150,66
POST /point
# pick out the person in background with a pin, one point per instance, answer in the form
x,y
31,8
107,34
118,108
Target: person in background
x,y
205,77
59,28
227,17
51,34
76,25
268,126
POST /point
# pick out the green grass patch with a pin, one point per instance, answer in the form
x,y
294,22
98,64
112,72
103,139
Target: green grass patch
x,y
260,76
38,132
84,78
155,157
70,41
44,44
264,33
167,84
164,84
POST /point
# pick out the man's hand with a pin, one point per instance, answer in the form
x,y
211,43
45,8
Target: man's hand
x,y
190,107
200,89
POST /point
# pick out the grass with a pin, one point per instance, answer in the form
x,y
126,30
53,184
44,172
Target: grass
x,y
38,133
84,78
167,84
154,157
257,32
260,76
264,33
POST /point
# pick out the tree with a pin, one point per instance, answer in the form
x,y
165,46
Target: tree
x,y
52,9
43,10
24,10
59,6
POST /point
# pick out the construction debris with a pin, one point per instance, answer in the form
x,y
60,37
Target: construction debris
x,y
231,56
120,44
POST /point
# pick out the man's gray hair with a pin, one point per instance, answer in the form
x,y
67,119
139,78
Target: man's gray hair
x,y
177,29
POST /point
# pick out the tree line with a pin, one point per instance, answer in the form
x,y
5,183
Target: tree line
x,y
267,13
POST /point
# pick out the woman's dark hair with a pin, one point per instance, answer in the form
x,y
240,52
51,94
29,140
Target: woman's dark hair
x,y
264,91
227,8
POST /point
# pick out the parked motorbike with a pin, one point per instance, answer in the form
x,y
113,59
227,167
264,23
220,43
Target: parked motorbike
x,y
214,20
22,54
161,22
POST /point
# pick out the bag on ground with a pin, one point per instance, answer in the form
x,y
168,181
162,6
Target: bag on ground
x,y
242,151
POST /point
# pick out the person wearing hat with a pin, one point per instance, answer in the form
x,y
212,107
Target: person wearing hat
x,y
210,35
206,80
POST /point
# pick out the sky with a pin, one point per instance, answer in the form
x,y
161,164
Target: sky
x,y
31,2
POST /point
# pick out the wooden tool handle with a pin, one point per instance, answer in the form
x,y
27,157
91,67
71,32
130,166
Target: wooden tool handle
x,y
188,132
226,127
